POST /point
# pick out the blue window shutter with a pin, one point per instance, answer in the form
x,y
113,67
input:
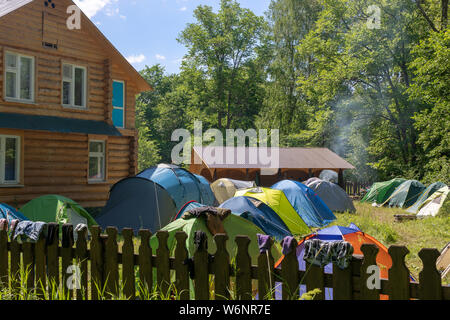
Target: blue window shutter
x,y
118,94
118,104
117,117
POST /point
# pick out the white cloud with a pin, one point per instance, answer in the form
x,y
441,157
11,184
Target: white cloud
x,y
160,57
92,7
136,58
183,9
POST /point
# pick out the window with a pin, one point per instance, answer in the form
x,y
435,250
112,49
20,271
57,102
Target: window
x,y
118,101
9,159
19,77
74,86
96,160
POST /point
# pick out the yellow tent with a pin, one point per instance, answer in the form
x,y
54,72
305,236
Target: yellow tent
x,y
276,199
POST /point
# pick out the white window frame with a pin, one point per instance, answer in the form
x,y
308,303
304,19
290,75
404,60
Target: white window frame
x,y
71,103
121,108
16,71
101,155
3,159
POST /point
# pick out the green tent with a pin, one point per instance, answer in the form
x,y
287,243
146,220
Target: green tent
x,y
234,226
381,191
54,208
276,199
405,194
432,188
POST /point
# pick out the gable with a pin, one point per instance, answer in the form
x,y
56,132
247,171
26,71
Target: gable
x,y
41,26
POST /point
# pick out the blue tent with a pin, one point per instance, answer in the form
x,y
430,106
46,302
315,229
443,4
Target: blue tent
x,y
137,203
182,185
260,214
9,213
306,202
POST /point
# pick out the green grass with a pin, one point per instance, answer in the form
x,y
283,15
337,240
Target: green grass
x,y
432,232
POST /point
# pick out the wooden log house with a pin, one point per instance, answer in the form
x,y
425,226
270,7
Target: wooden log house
x,y
67,106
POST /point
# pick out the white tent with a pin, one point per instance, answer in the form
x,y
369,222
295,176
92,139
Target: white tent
x,y
433,204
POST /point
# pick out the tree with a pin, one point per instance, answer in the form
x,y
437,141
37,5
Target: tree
x,y
222,52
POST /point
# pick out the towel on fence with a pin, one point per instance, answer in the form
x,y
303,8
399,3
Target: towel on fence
x,y
286,244
12,227
214,217
3,224
321,253
29,231
263,242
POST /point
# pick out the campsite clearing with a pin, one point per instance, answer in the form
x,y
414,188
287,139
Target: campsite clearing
x,y
379,222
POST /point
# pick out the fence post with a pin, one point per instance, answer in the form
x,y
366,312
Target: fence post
x,y
66,254
163,264
266,281
81,260
28,264
15,265
181,269
201,267
111,275
145,263
53,259
96,256
342,283
40,258
128,279
430,283
221,267
398,274
4,279
243,269
314,280
289,274
370,252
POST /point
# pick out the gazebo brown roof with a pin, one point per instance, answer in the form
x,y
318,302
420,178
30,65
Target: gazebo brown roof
x,y
293,163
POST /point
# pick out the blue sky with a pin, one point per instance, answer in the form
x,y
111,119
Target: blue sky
x,y
145,31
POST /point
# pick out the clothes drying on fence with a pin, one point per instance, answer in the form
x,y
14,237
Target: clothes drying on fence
x,y
263,242
214,217
29,231
3,224
286,244
321,253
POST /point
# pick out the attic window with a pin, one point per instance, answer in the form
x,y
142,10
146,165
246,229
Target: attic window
x,y
49,3
50,30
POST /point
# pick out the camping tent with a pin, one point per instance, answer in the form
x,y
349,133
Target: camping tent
x,y
55,208
181,185
306,202
405,194
381,191
225,188
9,213
234,226
310,180
334,196
260,214
277,200
432,188
137,203
434,203
350,234
443,262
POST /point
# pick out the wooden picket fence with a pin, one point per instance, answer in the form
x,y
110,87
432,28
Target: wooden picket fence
x,y
101,262
355,188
